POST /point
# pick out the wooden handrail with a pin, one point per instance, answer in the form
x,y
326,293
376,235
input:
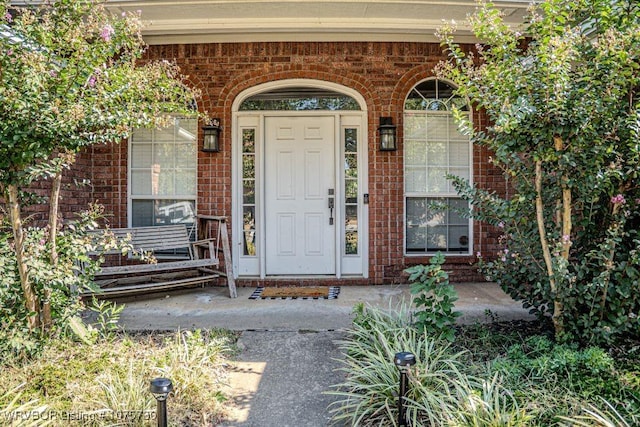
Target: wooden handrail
x,y
205,222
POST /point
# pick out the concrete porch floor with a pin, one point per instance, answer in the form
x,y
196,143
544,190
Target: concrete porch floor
x,y
211,307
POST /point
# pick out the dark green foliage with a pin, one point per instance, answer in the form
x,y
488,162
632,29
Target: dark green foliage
x,y
561,95
549,378
587,374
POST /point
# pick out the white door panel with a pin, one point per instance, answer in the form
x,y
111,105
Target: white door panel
x,y
299,171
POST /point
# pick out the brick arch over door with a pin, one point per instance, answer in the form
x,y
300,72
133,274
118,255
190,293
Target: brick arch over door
x,y
241,82
298,83
245,81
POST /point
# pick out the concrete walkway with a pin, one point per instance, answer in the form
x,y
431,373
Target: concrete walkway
x,y
289,347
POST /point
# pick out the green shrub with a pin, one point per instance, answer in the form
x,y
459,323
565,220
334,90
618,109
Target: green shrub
x,y
62,281
434,298
588,372
564,126
559,378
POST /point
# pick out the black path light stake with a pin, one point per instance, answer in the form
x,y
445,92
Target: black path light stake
x,y
160,388
403,361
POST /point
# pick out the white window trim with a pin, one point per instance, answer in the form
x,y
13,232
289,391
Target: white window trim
x,y
131,197
427,195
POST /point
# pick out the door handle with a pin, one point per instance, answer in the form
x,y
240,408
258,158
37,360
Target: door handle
x,y
331,203
331,206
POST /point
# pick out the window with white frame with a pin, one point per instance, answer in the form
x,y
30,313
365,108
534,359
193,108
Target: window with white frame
x,y
435,218
162,174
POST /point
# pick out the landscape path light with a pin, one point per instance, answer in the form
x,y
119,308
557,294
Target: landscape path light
x,y
160,388
403,361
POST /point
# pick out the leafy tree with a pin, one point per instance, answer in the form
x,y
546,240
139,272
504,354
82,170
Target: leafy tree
x,y
70,77
561,96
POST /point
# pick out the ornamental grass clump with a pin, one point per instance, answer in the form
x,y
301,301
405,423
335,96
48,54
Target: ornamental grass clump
x,y
369,394
501,374
13,406
106,383
492,406
593,416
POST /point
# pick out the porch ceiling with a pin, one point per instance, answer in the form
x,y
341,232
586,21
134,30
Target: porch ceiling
x,y
192,21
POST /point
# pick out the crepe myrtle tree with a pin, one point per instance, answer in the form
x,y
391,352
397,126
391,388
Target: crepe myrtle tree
x,y
70,77
561,96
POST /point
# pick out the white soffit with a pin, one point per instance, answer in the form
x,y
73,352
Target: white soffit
x,y
202,21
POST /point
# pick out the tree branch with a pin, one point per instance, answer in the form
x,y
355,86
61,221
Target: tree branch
x,y
546,253
31,298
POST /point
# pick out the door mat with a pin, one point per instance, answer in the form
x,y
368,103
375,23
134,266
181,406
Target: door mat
x,y
296,292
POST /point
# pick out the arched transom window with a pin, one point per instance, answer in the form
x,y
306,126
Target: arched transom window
x,y
434,148
299,99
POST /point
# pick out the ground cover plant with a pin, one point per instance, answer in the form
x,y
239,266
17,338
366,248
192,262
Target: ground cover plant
x,y
493,374
106,382
553,379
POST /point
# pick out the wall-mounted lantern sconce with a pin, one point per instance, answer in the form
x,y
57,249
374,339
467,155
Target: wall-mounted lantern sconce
x,y
387,132
211,134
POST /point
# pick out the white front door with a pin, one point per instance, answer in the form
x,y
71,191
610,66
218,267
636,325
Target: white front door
x,y
299,183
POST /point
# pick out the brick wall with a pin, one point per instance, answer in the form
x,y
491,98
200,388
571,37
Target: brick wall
x,y
109,181
75,194
383,73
